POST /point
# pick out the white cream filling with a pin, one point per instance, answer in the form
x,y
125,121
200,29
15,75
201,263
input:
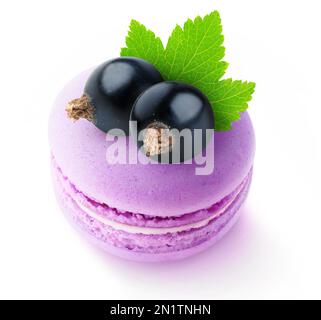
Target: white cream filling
x,y
154,231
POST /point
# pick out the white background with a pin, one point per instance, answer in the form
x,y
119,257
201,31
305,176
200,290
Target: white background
x,y
274,250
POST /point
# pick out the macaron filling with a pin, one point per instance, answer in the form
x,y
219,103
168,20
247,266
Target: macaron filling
x,y
153,247
137,223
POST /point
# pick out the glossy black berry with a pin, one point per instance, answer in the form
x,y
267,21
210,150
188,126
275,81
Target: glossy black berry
x,y
111,91
166,106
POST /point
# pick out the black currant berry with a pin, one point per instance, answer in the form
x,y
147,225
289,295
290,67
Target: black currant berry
x,y
111,91
167,106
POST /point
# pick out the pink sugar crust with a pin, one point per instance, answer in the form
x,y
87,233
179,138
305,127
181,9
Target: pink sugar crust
x,y
148,248
79,149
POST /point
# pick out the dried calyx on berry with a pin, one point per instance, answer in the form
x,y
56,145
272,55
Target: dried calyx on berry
x,y
165,111
111,91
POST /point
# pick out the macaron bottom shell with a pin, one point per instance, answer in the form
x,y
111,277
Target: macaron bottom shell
x,y
148,248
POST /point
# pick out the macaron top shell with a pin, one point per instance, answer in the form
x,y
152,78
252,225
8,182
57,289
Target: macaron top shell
x,y
79,149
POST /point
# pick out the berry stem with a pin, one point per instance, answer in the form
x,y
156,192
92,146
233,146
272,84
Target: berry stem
x,y
80,108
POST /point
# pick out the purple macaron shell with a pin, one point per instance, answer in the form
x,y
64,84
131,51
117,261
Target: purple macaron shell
x,y
148,248
79,149
134,219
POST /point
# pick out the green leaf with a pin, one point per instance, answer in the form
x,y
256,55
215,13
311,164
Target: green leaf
x,y
193,55
228,99
142,43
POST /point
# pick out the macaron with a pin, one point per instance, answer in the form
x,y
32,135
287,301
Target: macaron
x,y
146,212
